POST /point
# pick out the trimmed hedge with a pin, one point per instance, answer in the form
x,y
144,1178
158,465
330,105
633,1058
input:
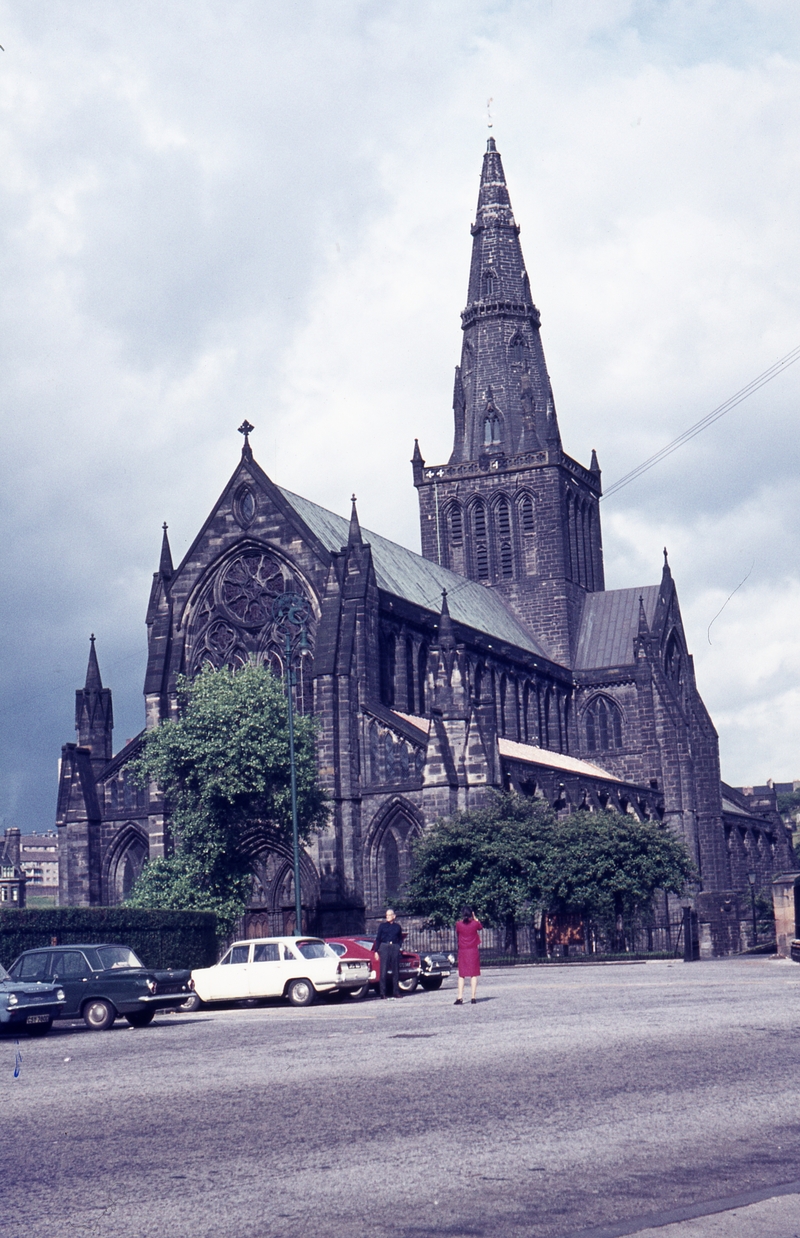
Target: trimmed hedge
x,y
160,938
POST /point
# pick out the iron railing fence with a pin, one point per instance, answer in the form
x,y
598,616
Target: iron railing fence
x,y
574,941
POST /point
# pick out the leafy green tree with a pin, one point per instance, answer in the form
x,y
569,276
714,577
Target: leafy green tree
x,y
606,867
514,857
492,859
223,768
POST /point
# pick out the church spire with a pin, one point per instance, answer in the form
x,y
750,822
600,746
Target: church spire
x,y
503,403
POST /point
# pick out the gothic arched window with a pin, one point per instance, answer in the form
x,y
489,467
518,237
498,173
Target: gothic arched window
x,y
391,865
516,349
603,725
489,283
456,526
491,429
479,520
526,513
503,518
482,561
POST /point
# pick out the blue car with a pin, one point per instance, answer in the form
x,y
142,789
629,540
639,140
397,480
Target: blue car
x,y
29,1006
102,982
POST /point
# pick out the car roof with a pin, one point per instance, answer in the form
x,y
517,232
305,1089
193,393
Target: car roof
x,y
77,945
248,941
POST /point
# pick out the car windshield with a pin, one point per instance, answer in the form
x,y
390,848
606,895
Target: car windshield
x,y
3,974
338,948
117,956
314,950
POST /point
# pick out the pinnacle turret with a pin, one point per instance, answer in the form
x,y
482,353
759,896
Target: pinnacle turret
x,y
354,535
93,681
502,400
165,563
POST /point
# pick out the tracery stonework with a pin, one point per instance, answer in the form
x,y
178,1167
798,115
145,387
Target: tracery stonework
x,y
233,621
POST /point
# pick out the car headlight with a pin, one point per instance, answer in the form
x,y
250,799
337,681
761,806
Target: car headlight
x,y
452,959
428,961
60,995
151,984
13,999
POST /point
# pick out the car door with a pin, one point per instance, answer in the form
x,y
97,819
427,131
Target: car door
x,y
69,969
230,976
266,972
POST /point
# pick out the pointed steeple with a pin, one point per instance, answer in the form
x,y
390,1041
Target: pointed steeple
x,y
165,563
666,574
502,350
354,535
93,681
594,467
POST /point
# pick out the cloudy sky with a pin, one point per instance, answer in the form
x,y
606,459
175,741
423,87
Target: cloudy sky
x,y
212,211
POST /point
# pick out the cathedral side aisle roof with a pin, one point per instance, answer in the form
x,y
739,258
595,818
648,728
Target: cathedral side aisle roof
x,y
407,575
553,760
609,625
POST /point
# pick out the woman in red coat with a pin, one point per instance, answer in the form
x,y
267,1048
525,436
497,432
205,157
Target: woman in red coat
x,y
468,931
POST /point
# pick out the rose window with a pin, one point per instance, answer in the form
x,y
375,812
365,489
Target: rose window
x,y
248,586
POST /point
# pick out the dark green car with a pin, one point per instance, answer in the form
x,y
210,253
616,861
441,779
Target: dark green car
x,y
102,982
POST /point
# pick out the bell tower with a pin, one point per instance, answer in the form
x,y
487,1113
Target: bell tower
x,y
510,509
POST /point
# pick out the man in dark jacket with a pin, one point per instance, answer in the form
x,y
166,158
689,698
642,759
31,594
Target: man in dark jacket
x,y
387,951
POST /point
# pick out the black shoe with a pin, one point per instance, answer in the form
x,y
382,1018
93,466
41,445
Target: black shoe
x,y
458,1002
473,1001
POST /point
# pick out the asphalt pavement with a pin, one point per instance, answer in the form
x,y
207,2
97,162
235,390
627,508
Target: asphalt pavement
x,y
570,1102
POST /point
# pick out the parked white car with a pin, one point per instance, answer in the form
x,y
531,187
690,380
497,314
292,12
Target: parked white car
x,y
297,968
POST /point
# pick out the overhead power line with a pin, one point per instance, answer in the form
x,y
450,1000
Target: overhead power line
x,y
709,419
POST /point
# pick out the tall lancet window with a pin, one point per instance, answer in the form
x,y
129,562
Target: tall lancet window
x,y
491,429
489,282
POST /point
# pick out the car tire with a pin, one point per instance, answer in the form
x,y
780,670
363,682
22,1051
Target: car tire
x,y
409,985
191,1004
98,1014
358,995
141,1018
431,983
301,993
39,1029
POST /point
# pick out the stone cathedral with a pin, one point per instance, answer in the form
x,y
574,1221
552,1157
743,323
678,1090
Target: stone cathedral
x,y
496,658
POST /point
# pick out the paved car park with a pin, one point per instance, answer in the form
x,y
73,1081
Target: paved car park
x,y
570,1101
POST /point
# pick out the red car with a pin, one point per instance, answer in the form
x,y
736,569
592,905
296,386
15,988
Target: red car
x,y
361,948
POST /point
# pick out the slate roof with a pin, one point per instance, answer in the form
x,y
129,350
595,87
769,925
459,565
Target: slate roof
x,y
609,625
407,575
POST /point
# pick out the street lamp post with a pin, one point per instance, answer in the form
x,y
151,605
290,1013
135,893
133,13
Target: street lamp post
x,y
290,614
751,877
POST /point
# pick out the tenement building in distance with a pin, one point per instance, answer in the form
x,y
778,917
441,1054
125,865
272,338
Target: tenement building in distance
x,y
496,658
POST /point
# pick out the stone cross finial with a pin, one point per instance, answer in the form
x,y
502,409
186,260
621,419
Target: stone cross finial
x,y
246,429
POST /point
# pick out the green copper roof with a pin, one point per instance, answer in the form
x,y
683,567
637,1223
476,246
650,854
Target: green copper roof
x,y
407,575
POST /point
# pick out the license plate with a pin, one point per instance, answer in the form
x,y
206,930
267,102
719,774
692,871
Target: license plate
x,y
38,1018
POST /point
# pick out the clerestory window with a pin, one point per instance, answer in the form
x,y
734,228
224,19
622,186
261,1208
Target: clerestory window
x,y
603,726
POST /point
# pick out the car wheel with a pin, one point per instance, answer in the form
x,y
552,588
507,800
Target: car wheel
x,y
39,1029
301,993
98,1014
409,984
358,994
191,1004
431,982
141,1018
